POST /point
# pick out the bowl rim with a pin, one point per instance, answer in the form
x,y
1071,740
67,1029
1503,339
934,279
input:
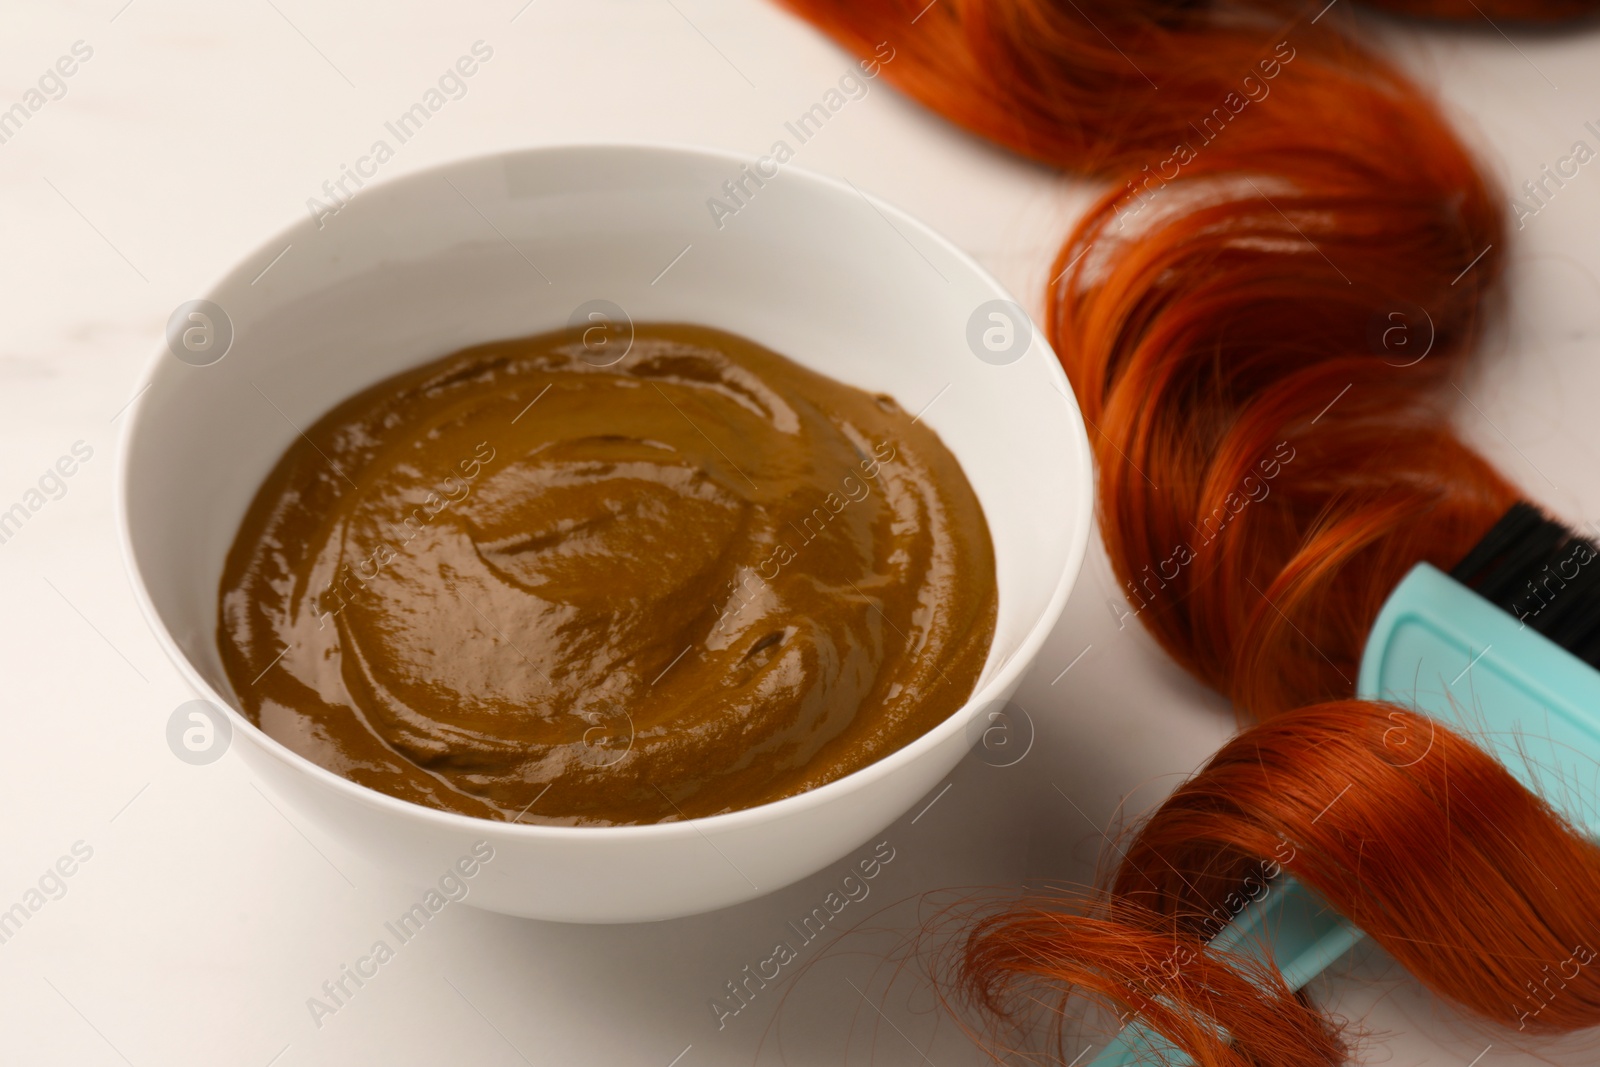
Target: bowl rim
x,y
1009,672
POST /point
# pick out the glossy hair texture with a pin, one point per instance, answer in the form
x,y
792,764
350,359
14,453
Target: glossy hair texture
x,y
1262,320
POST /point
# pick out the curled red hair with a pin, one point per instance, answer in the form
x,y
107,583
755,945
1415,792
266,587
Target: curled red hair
x,y
1270,466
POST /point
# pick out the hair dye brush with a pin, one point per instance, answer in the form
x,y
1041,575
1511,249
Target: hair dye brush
x,y
1506,650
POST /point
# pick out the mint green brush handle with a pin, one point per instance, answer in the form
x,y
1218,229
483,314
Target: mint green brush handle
x,y
1443,650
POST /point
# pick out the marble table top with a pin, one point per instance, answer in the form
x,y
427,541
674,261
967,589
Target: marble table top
x,y
198,920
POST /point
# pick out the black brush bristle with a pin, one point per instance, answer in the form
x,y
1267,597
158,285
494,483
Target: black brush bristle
x,y
1543,574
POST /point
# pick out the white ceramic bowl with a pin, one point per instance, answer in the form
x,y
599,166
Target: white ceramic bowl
x,y
507,245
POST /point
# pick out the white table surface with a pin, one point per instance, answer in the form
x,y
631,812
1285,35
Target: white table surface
x,y
204,919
